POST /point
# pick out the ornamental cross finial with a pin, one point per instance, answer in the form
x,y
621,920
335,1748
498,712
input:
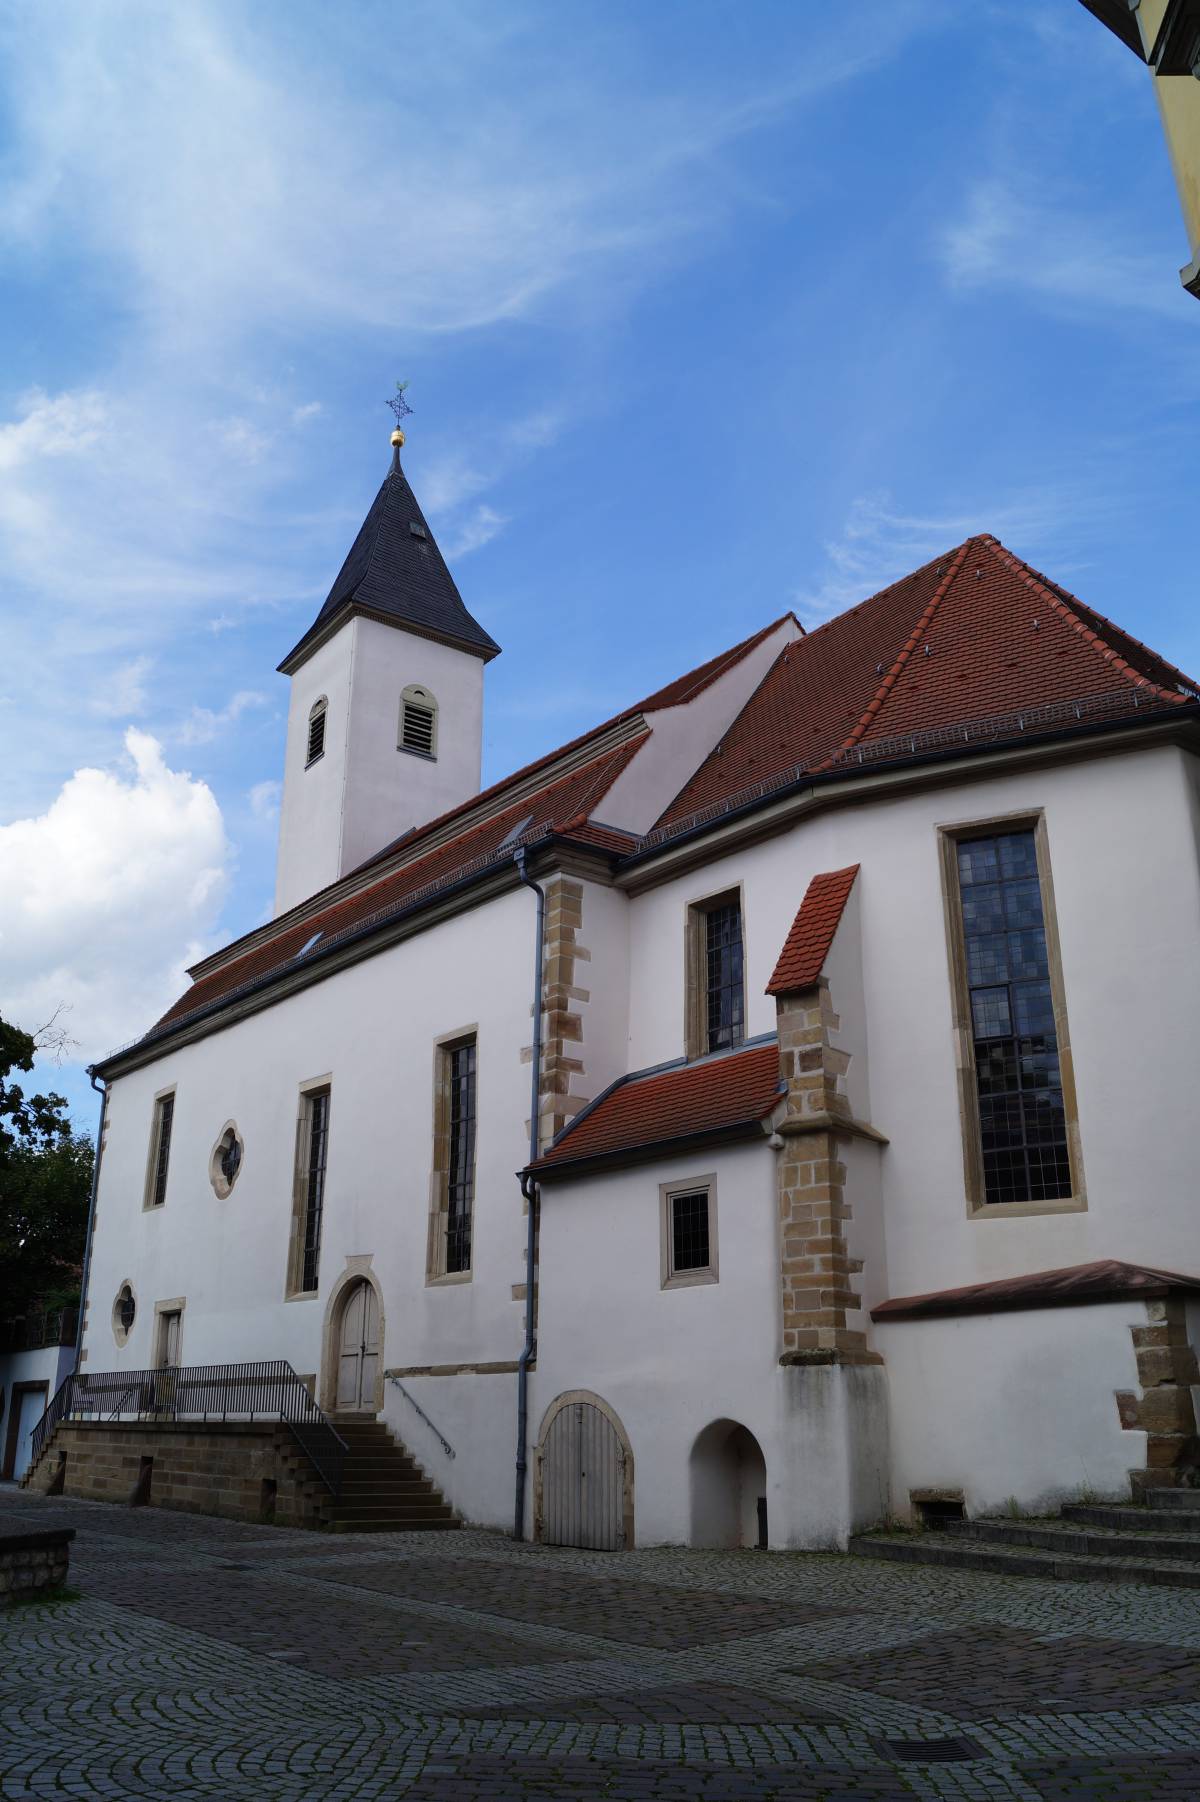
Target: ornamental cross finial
x,y
399,405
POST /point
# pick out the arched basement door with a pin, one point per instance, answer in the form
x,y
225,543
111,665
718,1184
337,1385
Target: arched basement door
x,y
586,1479
358,1349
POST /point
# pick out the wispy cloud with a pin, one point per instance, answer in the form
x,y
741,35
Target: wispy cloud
x,y
1067,255
203,725
880,542
475,531
125,695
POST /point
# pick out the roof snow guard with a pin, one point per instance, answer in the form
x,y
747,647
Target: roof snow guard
x,y
395,572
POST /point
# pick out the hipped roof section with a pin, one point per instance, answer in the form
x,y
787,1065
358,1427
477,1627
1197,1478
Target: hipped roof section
x,y
976,635
971,649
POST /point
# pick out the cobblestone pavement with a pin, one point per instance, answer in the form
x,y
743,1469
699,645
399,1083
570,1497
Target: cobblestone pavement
x,y
209,1659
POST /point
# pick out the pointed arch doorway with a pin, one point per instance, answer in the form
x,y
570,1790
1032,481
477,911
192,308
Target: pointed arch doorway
x,y
356,1349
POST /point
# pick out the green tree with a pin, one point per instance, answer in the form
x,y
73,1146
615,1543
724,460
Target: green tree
x,y
45,1184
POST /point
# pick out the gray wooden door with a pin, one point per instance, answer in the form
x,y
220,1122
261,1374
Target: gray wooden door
x,y
583,1480
358,1351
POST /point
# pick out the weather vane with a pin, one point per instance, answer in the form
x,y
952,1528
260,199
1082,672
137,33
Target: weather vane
x,y
399,405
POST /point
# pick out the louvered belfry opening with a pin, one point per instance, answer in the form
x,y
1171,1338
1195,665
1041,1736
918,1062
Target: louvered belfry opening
x,y
316,734
418,728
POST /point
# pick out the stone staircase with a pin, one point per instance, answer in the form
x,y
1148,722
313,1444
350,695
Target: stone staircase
x,y
383,1488
1156,1542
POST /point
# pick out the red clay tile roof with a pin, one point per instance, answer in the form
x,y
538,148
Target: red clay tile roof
x,y
1105,1280
558,803
974,634
807,944
642,1112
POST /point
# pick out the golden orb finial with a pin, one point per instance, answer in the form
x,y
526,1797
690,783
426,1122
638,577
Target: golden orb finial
x,y
397,439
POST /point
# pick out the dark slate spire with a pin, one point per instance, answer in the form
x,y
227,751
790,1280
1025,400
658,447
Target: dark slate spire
x,y
395,572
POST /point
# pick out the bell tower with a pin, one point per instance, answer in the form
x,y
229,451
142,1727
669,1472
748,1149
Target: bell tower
x,y
385,722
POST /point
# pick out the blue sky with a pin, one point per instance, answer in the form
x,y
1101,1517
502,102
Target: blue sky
x,y
709,310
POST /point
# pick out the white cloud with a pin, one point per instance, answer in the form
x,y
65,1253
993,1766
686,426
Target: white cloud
x,y
310,410
475,531
879,542
125,692
1072,258
108,895
61,425
202,725
264,800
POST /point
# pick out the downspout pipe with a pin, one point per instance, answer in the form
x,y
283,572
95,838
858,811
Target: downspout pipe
x,y
101,1089
529,1190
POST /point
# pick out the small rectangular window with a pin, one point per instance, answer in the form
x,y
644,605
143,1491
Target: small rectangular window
x,y
1017,1099
716,1005
454,1158
689,1232
316,736
312,1153
160,1151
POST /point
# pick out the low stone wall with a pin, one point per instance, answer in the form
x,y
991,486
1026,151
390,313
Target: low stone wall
x,y
33,1561
242,1471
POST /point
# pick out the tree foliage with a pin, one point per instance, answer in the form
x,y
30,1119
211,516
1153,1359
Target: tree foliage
x,y
45,1184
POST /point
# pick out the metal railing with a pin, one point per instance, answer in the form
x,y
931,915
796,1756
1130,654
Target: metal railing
x,y
270,1390
33,1332
418,1409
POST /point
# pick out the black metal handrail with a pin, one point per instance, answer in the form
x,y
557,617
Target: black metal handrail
x,y
270,1390
34,1332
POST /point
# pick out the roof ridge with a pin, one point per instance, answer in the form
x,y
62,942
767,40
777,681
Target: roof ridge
x,y
1065,603
889,681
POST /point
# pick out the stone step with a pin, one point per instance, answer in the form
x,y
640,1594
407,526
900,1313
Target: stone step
x,y
945,1549
391,1493
1077,1541
1128,1518
1186,1500
391,1504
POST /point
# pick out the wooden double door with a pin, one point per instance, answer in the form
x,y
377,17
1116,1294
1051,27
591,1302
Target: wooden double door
x,y
358,1351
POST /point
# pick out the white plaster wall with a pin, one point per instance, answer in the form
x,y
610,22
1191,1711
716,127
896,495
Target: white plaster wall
x,y
681,737
844,973
50,1365
1123,859
389,790
310,809
477,1414
365,791
1013,1405
372,1031
672,1361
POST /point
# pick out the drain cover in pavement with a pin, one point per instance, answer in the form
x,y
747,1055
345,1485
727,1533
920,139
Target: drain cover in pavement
x,y
929,1751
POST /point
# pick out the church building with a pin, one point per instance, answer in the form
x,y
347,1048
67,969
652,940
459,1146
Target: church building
x,y
756,1120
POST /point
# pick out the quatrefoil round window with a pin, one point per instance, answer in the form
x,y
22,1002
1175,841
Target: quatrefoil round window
x,y
226,1160
124,1313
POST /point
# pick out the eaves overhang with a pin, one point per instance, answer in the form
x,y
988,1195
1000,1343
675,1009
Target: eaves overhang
x,y
455,896
564,1169
776,808
320,634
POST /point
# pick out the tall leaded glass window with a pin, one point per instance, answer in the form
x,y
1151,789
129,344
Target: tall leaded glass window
x,y
1019,1089
459,1079
160,1151
724,992
315,1152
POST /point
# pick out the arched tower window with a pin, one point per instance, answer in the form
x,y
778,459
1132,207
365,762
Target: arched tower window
x,y
418,721
316,731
